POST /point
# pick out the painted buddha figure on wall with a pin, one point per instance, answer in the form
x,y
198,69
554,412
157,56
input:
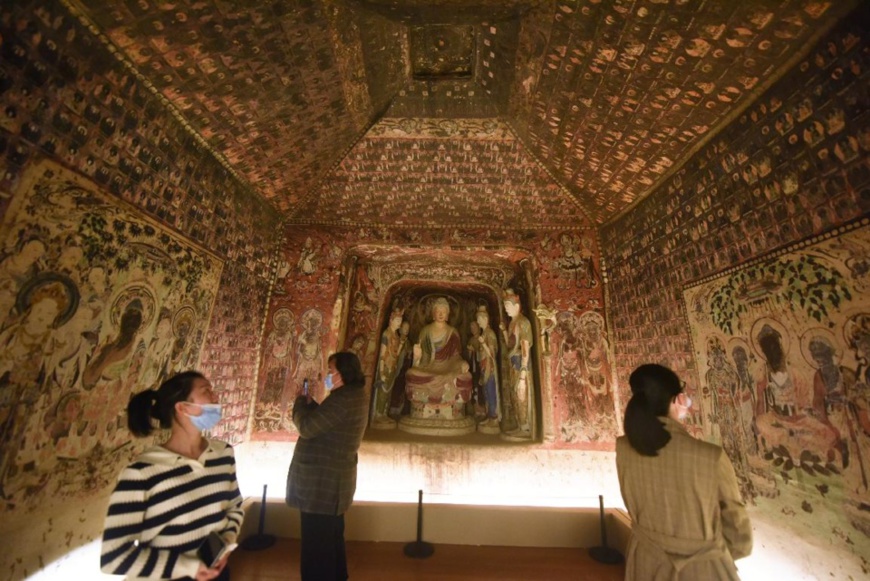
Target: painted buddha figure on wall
x,y
439,382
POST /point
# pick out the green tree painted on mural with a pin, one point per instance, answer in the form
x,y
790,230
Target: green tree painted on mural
x,y
119,242
803,285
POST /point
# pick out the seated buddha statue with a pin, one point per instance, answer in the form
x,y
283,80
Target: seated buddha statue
x,y
439,381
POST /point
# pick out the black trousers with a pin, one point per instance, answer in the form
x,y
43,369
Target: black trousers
x,y
323,556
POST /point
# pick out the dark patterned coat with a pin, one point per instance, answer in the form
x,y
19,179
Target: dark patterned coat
x,y
322,476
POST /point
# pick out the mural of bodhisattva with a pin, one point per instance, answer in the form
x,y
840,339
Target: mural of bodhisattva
x,y
96,302
783,351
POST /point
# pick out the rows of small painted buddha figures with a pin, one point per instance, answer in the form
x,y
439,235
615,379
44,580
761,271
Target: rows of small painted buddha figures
x,y
445,381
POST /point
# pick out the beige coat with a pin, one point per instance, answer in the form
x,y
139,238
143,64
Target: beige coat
x,y
688,519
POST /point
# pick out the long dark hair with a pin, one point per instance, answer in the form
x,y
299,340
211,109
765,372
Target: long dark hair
x,y
653,388
348,366
159,404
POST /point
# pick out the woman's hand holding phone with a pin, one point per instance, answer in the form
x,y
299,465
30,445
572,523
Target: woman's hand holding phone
x,y
213,553
206,573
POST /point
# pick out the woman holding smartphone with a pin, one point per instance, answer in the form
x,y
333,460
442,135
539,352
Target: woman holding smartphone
x,y
169,500
322,477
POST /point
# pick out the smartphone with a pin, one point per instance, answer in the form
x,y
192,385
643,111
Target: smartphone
x,y
305,386
213,549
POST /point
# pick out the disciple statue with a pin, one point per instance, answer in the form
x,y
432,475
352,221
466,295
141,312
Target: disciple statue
x,y
406,359
439,375
471,357
486,350
518,339
392,353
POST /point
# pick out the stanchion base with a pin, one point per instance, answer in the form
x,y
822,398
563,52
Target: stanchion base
x,y
258,542
419,550
606,555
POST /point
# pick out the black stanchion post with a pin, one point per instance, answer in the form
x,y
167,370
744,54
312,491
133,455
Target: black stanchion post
x,y
260,541
419,549
604,554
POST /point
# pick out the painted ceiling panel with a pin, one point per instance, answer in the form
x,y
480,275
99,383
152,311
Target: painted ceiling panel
x,y
450,11
425,173
277,89
595,101
611,95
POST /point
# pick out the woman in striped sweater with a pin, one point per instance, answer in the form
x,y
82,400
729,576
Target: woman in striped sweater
x,y
167,502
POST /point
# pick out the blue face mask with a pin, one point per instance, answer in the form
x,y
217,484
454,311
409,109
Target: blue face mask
x,y
209,418
327,382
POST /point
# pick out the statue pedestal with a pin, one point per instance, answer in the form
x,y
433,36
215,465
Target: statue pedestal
x,y
516,436
438,411
383,423
437,419
437,427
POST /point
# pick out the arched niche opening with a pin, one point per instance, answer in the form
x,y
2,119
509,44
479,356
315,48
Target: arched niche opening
x,y
432,398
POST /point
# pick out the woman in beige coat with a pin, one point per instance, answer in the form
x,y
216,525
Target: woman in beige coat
x,y
688,519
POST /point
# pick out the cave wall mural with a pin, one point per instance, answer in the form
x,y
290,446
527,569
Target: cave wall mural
x,y
790,170
782,352
97,302
67,98
336,288
74,114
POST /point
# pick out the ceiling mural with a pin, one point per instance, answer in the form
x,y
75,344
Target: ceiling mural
x,y
442,172
612,95
604,99
278,90
450,11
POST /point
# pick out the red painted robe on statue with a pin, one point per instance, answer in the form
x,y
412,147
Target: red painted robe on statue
x,y
441,376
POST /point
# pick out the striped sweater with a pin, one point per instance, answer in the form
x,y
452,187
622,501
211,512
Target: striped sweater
x,y
164,506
